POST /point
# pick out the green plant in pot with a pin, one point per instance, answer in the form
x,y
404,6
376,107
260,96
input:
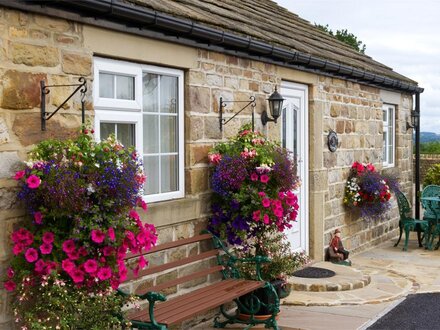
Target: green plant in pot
x,y
283,262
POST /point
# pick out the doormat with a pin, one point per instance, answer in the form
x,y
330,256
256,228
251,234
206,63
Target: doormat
x,y
314,272
417,311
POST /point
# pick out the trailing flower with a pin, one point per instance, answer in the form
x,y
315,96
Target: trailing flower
x,y
369,191
253,180
81,196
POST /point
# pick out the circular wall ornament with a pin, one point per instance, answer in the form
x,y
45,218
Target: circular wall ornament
x,y
332,140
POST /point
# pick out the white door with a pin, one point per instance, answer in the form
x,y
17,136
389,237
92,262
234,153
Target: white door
x,y
294,136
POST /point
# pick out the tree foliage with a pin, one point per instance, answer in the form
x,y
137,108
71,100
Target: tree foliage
x,y
344,36
430,147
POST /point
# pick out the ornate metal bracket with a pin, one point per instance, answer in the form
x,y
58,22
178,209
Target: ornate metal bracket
x,y
45,116
223,104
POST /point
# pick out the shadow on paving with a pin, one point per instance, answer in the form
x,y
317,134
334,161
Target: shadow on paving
x,y
416,312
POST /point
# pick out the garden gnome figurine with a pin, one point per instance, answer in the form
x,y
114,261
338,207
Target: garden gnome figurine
x,y
337,251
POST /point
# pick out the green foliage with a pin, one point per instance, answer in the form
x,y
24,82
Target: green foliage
x,y
430,147
283,261
432,175
344,36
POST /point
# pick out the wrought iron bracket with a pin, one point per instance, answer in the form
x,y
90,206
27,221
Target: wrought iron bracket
x,y
45,89
223,104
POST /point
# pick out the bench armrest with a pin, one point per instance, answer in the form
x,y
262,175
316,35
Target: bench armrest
x,y
232,260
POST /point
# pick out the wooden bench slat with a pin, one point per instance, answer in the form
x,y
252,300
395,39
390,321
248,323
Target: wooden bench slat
x,y
183,279
206,302
199,301
177,301
170,245
173,264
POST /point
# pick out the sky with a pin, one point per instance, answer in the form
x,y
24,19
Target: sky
x,y
402,34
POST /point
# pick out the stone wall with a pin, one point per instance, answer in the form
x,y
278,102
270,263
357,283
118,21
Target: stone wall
x,y
354,111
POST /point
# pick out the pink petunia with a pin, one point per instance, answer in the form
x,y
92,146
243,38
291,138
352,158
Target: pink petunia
x,y
215,158
256,215
74,255
48,237
254,177
266,202
266,219
104,273
144,205
33,181
107,251
77,275
40,265
17,249
91,266
69,246
38,217
46,248
261,194
18,175
142,262
10,272
278,212
281,195
133,215
10,285
82,251
51,265
97,236
111,234
264,178
115,284
31,255
67,265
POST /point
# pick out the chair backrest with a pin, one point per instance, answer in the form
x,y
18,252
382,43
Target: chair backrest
x,y
429,191
404,206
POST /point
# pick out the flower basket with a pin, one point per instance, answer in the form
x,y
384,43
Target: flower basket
x,y
253,180
68,255
368,191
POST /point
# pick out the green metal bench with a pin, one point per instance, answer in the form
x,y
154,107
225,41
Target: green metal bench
x,y
161,313
431,213
407,223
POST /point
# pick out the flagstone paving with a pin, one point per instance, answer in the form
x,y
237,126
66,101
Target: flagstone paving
x,y
393,275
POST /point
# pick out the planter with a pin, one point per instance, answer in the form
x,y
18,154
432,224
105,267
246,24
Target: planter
x,y
247,317
282,289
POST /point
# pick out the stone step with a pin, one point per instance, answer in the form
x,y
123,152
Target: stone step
x,y
346,278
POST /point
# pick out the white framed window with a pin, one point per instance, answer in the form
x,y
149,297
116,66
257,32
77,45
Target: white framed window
x,y
143,106
389,124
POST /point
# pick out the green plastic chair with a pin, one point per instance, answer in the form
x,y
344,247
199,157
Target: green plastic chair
x,y
407,223
429,212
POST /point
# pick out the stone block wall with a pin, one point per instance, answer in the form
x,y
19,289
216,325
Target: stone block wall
x,y
354,112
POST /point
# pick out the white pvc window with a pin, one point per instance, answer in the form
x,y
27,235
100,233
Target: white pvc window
x,y
389,146
143,106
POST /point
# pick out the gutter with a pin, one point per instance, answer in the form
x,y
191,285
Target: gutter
x,y
145,18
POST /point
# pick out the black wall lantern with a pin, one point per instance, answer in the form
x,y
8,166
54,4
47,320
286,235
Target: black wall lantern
x,y
275,107
415,117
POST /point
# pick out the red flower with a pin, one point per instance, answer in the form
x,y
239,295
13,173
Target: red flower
x,y
19,175
10,285
266,202
40,265
104,273
31,255
48,237
97,236
46,248
134,215
77,275
33,181
67,265
264,178
91,266
254,177
38,217
266,219
111,234
69,246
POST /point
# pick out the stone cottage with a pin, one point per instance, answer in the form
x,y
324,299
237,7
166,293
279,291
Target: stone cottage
x,y
156,71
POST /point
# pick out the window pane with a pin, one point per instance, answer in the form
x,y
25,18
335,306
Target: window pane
x,y
384,116
126,134
168,94
107,129
106,85
384,146
150,92
151,134
169,181
168,128
151,168
125,87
